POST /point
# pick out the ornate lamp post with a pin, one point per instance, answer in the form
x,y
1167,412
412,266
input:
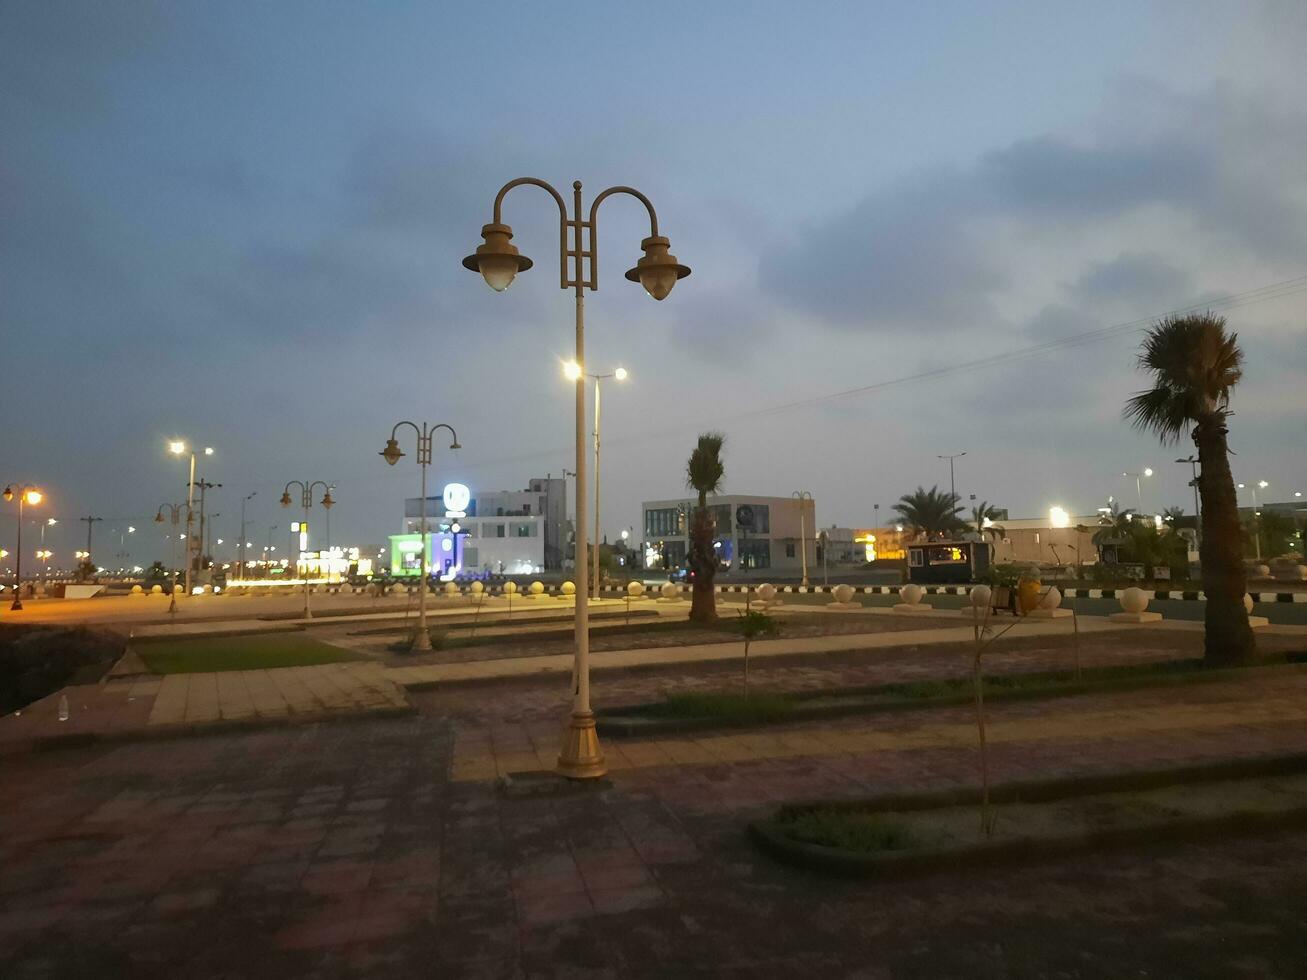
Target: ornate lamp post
x,y
801,496
26,494
392,454
498,261
306,500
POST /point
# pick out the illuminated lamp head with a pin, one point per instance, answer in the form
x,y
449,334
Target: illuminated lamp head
x,y
658,270
498,260
392,453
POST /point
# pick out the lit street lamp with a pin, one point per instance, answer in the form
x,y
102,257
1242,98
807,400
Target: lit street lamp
x,y
952,487
26,494
801,496
572,371
392,454
178,448
1139,486
1257,523
240,563
306,500
498,261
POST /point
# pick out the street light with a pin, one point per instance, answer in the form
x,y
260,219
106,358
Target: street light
x,y
26,494
306,500
498,261
392,454
572,371
1192,460
1139,487
240,563
801,496
178,448
952,487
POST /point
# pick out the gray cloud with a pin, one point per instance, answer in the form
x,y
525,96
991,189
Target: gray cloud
x,y
1143,280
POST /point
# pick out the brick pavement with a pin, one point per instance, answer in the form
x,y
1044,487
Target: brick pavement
x,y
330,851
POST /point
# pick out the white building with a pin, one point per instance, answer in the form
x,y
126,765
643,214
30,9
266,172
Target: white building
x,y
762,535
498,532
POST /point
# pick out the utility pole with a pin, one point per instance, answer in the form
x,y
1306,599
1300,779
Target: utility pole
x,y
90,524
204,485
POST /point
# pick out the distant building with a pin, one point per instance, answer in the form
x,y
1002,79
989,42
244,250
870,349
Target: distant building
x,y
753,534
508,532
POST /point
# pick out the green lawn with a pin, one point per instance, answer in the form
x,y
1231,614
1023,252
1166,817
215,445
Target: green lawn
x,y
239,653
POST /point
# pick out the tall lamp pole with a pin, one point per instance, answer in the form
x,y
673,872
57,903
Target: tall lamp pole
x,y
1139,484
178,448
952,486
801,496
572,371
306,499
1257,522
498,261
26,494
1192,460
241,562
392,454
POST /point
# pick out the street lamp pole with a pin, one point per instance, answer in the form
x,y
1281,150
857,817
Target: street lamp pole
x,y
801,496
1257,522
392,454
306,499
175,511
1139,485
572,370
952,486
27,494
1192,460
657,271
177,448
241,562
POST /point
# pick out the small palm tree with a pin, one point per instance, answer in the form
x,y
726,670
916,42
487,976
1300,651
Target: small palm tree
x,y
1195,363
704,473
931,512
987,512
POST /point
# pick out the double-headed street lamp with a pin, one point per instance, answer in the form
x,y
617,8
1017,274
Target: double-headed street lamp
x,y
306,500
174,511
498,261
801,496
26,494
572,371
178,448
392,455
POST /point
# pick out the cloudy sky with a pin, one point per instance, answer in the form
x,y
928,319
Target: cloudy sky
x,y
242,224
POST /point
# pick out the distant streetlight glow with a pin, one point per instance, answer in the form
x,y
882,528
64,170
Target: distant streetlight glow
x,y
1058,517
571,370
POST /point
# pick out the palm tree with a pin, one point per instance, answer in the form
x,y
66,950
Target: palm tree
x,y
930,512
986,512
1195,364
704,473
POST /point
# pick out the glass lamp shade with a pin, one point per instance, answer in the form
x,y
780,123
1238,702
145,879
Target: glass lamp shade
x,y
327,501
33,496
620,374
285,499
392,453
658,270
9,493
498,259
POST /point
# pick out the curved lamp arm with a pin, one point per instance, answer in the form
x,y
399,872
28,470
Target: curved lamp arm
x,y
412,425
453,434
594,227
562,216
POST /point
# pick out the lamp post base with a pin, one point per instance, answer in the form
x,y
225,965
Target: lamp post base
x,y
581,757
421,641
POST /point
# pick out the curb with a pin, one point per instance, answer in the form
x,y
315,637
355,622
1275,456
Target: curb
x,y
1186,595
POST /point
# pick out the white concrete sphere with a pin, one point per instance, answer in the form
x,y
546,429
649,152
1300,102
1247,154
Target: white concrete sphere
x,y
569,588
843,593
537,588
1247,602
1134,600
766,592
1050,599
476,588
911,594
635,589
451,588
156,590
1262,571
208,589
137,590
980,596
510,587
670,590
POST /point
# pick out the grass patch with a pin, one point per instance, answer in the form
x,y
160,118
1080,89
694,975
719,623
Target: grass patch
x,y
758,707
848,830
262,650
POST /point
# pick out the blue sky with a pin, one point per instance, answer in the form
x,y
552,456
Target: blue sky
x,y
242,224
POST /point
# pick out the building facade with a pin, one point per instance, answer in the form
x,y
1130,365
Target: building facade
x,y
754,535
497,532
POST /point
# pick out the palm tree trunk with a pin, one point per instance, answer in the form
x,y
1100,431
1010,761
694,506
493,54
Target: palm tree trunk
x,y
1229,639
703,601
